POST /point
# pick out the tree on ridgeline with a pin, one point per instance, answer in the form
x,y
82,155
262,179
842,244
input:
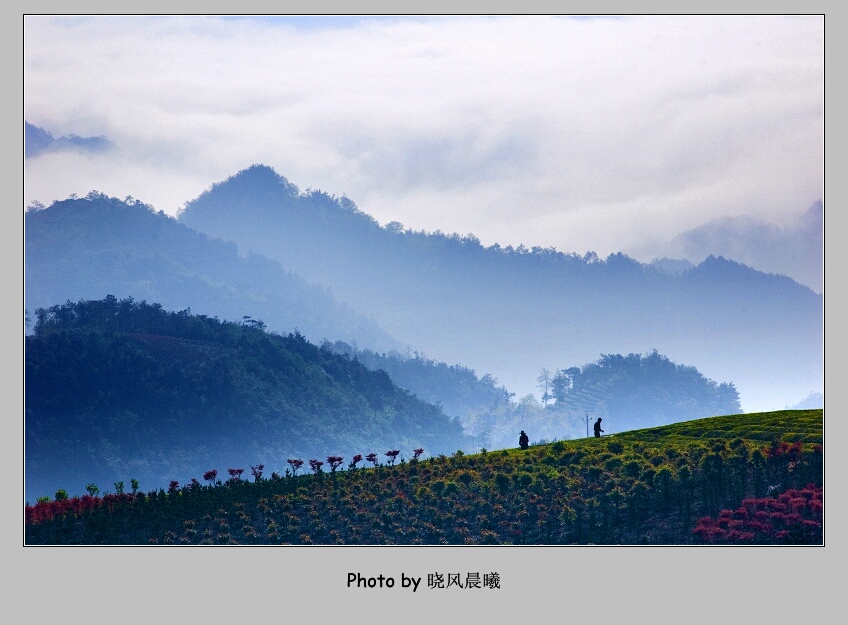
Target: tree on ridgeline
x,y
544,382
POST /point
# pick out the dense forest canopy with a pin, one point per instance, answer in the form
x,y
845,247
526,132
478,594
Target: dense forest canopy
x,y
635,391
118,388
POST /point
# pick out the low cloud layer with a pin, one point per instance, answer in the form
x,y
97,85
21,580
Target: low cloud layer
x,y
649,135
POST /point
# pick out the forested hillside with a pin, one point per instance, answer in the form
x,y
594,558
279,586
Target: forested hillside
x,y
459,390
86,248
628,392
509,311
119,389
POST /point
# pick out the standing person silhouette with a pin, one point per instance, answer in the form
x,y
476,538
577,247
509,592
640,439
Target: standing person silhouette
x,y
523,440
598,429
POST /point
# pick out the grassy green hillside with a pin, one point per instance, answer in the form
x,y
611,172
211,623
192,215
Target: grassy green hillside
x,y
741,479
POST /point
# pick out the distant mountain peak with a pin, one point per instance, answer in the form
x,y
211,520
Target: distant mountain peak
x,y
39,141
258,171
259,193
259,177
255,187
794,249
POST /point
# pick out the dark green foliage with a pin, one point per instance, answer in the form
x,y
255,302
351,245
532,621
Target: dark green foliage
x,y
451,500
612,464
632,469
615,447
117,385
502,481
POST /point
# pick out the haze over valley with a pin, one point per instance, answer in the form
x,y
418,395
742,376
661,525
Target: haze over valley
x,y
439,231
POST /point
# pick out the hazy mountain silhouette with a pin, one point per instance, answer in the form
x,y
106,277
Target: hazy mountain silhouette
x,y
509,311
89,247
796,250
671,266
629,392
39,141
812,401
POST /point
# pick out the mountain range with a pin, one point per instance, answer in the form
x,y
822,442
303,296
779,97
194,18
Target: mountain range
x,y
40,141
256,252
795,250
86,248
511,311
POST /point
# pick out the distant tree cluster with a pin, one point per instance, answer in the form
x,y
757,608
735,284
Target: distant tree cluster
x,y
641,391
